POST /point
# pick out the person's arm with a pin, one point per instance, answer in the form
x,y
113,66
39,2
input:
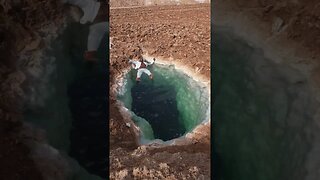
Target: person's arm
x,y
150,63
90,9
134,63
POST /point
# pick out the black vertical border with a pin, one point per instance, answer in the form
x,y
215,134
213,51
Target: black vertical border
x,y
107,80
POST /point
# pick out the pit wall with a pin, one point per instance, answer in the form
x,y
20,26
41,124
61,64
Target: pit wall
x,y
277,48
31,32
48,118
200,133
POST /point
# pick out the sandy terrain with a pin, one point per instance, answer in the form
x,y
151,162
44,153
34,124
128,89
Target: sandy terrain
x,y
179,34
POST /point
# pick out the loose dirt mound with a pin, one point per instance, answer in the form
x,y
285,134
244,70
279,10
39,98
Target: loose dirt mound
x,y
181,33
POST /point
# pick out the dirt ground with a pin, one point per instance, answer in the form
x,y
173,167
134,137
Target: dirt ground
x,y
293,26
296,20
178,32
125,3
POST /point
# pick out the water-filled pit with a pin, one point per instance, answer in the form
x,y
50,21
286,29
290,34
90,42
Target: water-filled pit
x,y
70,104
263,114
167,107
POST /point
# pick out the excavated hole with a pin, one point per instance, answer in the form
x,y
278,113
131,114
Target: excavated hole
x,y
71,103
263,114
168,107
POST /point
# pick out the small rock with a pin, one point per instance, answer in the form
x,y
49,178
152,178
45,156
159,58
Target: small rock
x,y
128,124
163,166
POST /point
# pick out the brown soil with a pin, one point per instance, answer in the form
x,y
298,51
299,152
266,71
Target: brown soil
x,y
178,32
287,24
301,20
175,33
14,161
125,3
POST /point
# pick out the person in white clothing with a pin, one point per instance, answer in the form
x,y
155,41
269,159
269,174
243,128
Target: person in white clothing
x,y
141,66
95,13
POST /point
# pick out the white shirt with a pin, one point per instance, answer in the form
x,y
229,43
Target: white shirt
x,y
138,63
90,11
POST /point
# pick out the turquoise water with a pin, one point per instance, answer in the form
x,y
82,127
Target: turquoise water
x,y
174,103
261,112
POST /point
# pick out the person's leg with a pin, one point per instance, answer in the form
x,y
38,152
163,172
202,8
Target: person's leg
x,y
96,33
148,73
139,73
